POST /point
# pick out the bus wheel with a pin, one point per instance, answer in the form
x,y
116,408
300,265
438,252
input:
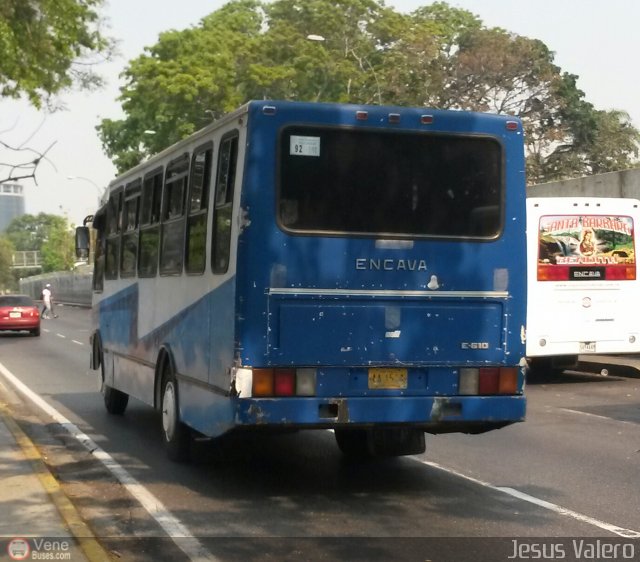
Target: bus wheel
x,y
177,436
354,443
115,400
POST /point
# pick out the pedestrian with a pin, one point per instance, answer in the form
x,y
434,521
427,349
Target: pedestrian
x,y
47,302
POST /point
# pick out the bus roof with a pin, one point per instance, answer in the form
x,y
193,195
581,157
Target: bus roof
x,y
453,116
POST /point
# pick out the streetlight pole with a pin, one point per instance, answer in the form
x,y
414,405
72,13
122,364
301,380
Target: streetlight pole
x,y
99,190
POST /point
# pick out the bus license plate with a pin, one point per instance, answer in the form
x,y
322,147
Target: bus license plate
x,y
587,347
388,379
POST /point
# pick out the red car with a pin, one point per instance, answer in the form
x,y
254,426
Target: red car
x,y
19,312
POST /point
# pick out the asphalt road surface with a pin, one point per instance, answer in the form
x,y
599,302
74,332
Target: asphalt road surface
x,y
563,482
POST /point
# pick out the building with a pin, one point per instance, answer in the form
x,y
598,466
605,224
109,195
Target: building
x,y
11,203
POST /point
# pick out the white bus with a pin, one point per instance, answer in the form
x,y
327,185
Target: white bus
x,y
583,286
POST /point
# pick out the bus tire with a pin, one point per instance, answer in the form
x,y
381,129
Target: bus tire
x,y
353,443
115,401
176,435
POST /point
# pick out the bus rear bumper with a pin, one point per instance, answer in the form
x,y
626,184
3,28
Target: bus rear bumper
x,y
468,414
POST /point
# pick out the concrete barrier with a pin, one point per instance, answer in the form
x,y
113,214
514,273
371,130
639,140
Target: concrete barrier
x,y
69,287
613,184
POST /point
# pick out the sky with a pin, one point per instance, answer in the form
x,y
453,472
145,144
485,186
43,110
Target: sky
x,y
596,40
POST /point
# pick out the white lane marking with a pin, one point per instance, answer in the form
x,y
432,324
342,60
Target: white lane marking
x,y
620,531
78,342
61,336
181,536
598,416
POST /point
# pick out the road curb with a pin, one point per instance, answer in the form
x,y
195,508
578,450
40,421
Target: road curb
x,y
78,528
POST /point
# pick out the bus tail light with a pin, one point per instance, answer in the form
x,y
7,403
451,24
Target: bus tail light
x,y
468,381
262,382
486,381
508,380
489,380
283,382
305,382
549,272
620,273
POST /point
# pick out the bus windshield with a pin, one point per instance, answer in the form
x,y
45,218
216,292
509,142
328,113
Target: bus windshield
x,y
372,182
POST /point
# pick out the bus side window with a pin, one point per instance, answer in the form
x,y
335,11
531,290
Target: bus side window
x,y
172,232
129,246
196,241
225,179
150,224
112,251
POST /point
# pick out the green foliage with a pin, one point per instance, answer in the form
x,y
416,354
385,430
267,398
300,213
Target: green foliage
x,y
48,234
42,41
360,51
7,280
31,232
58,252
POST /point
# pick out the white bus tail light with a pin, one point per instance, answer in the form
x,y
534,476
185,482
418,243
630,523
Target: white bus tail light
x,y
550,272
626,273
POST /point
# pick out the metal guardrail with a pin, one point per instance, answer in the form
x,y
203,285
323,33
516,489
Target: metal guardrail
x,y
26,260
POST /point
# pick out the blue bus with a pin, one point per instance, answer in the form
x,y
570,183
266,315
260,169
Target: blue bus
x,y
318,266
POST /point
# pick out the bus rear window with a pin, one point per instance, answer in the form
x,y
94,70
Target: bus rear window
x,y
346,181
586,248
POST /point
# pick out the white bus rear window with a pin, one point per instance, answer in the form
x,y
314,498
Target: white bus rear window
x,y
586,248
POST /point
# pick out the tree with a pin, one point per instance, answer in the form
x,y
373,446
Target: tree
x,y
48,234
48,45
364,52
31,232
7,280
183,82
58,252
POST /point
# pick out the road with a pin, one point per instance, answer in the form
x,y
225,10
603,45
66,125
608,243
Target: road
x,y
571,470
